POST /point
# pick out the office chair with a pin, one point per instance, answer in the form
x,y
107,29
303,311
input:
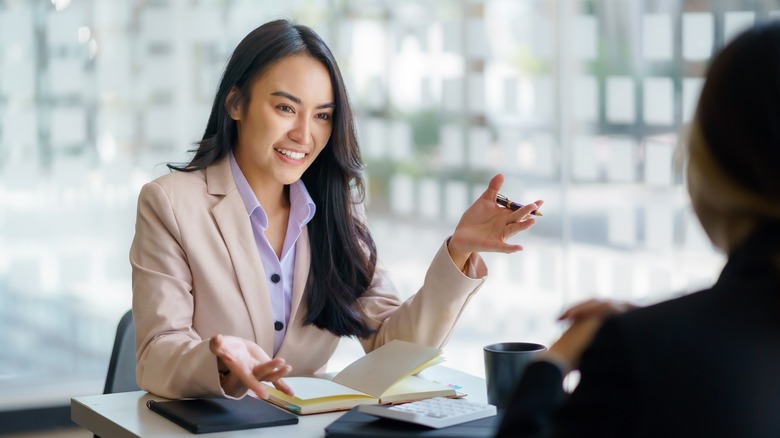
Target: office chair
x,y
121,367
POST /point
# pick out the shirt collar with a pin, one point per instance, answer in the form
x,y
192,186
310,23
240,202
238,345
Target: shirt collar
x,y
302,207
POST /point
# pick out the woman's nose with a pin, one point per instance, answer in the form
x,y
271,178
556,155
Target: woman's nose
x,y
301,131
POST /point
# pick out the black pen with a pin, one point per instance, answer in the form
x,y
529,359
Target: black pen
x,y
505,202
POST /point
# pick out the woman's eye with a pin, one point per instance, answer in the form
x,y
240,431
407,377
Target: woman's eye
x,y
286,108
323,116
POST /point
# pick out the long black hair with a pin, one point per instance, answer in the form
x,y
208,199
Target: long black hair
x,y
343,254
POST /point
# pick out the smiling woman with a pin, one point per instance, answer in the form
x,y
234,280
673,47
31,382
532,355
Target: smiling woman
x,y
281,133
252,261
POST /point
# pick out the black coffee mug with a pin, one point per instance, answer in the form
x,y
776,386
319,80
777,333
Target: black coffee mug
x,y
504,365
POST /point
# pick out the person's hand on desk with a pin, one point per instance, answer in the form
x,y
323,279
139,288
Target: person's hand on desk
x,y
244,360
485,226
585,319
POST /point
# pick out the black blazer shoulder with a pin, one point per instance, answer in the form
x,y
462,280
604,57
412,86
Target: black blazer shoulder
x,y
704,364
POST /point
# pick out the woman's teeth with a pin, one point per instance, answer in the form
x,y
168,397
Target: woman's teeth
x,y
291,154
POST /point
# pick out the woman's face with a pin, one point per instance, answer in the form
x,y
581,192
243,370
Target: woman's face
x,y
286,122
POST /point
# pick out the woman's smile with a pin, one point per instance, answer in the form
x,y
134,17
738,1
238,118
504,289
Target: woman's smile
x,y
291,155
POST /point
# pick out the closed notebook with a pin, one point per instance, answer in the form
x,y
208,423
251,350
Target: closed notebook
x,y
204,415
385,375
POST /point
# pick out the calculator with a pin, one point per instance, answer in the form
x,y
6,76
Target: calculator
x,y
435,412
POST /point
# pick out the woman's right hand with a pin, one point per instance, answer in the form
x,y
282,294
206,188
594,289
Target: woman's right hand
x,y
247,362
585,318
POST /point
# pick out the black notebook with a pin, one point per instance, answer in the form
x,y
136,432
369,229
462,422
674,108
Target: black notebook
x,y
356,424
204,415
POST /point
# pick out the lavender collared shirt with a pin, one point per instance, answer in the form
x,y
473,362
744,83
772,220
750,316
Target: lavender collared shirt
x,y
302,209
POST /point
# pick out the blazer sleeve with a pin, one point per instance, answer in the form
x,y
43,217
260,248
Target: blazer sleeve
x,y
428,316
603,403
538,394
172,360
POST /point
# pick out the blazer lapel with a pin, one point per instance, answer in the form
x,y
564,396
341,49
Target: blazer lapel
x,y
231,218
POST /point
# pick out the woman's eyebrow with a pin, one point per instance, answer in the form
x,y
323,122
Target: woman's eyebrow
x,y
298,101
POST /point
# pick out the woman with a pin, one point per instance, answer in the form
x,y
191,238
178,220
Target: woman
x,y
705,364
250,262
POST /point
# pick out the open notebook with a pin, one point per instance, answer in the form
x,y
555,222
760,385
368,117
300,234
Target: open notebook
x,y
385,375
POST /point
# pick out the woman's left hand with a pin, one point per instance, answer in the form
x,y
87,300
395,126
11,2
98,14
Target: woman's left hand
x,y
485,226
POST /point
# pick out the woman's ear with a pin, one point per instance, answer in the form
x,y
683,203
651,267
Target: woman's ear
x,y
231,104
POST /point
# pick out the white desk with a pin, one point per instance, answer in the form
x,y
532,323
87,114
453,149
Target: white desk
x,y
125,415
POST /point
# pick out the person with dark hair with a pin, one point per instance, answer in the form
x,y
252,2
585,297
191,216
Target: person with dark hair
x,y
705,364
252,261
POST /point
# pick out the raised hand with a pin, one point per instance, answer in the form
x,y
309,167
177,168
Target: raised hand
x,y
485,226
586,318
247,362
596,308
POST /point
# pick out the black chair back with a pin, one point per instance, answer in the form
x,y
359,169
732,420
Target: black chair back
x,y
121,367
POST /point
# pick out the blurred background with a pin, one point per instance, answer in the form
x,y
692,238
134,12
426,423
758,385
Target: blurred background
x,y
582,103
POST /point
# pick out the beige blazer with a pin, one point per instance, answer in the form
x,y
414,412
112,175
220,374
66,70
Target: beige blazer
x,y
197,273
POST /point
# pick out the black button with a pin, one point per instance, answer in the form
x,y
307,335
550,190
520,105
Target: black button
x,y
275,278
278,326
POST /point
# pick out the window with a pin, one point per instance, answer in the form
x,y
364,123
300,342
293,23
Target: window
x,y
580,103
